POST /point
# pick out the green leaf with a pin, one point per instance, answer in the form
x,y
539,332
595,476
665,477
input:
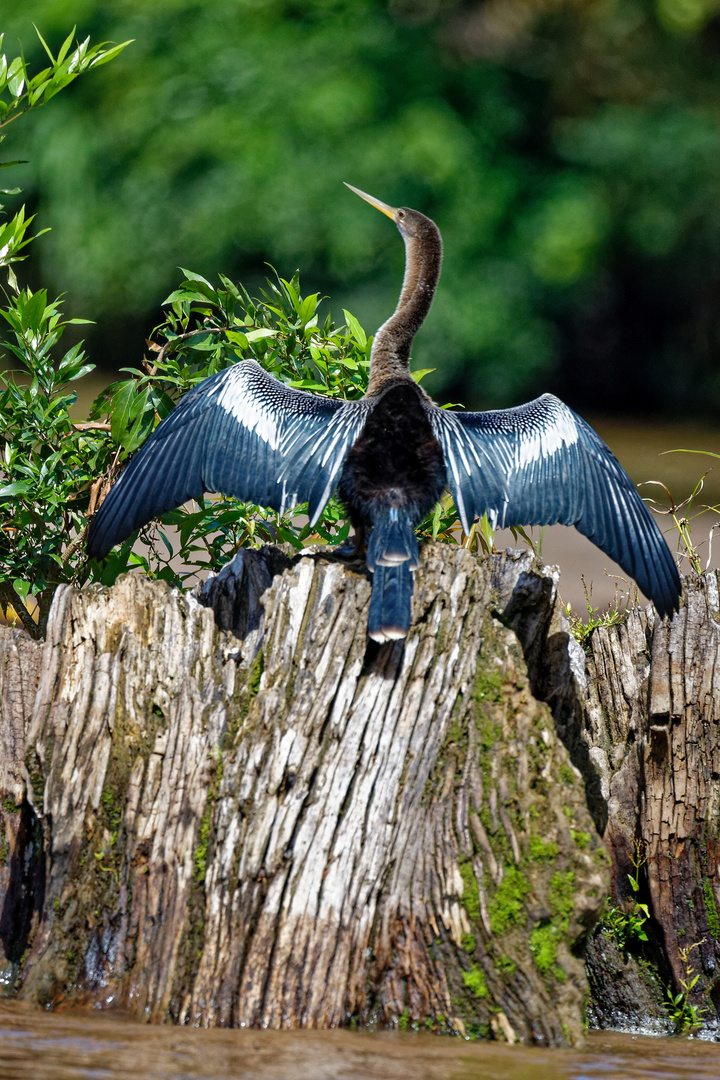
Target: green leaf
x,y
64,48
16,77
45,45
257,335
184,293
230,286
22,588
355,328
110,54
234,337
191,276
418,376
20,487
307,308
120,414
33,311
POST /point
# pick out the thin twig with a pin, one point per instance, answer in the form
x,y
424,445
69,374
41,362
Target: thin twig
x,y
710,540
75,545
182,337
11,599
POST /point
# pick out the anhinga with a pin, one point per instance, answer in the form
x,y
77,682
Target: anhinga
x,y
390,456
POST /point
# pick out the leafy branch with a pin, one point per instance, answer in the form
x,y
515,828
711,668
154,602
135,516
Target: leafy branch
x,y
20,91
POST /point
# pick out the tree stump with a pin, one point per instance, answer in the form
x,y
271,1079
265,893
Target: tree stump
x,y
651,728
233,810
245,814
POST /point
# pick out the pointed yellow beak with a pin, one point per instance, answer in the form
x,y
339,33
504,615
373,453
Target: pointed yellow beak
x,y
390,211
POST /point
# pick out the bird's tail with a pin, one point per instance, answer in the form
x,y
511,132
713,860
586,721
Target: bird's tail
x,y
392,556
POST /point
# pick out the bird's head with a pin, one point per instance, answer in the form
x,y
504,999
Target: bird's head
x,y
411,223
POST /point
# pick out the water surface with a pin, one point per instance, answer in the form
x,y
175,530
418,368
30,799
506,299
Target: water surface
x,y
76,1046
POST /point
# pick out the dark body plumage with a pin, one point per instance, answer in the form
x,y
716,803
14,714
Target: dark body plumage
x,y
392,477
390,457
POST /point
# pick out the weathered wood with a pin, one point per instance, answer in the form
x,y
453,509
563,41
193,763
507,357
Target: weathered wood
x,y
234,811
21,863
652,725
283,826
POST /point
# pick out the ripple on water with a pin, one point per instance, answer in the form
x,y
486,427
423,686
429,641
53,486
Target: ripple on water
x,y
74,1046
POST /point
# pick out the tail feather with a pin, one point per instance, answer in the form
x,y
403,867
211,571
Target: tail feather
x,y
392,555
390,603
393,541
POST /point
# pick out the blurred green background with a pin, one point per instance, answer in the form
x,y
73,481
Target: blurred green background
x,y
569,151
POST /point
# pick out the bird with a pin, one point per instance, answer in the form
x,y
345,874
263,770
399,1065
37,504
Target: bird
x,y
390,456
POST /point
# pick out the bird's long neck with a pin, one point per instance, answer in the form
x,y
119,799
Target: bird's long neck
x,y
390,356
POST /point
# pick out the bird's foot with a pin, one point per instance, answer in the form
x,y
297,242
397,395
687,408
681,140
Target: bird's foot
x,y
353,549
349,552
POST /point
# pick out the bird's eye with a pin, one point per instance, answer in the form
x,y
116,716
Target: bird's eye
x,y
401,214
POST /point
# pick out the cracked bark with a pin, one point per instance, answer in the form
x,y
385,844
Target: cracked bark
x,y
235,811
651,723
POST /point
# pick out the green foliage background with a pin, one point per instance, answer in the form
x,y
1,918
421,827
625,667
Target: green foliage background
x,y
570,152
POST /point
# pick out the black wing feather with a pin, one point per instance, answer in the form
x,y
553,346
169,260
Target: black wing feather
x,y
240,432
540,464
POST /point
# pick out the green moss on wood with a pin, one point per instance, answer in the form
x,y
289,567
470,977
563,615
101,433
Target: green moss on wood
x,y
255,674
470,896
474,979
544,940
711,911
506,908
469,943
37,777
204,829
506,966
562,894
541,850
546,937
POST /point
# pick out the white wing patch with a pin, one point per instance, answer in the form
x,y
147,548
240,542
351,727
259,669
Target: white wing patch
x,y
251,411
536,443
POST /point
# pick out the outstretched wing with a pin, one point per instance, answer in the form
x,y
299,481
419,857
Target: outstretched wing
x,y
540,464
240,432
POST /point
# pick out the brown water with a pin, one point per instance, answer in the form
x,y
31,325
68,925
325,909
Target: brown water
x,y
73,1046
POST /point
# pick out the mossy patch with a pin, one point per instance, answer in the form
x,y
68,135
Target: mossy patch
x,y
506,908
488,686
37,778
255,674
487,690
546,937
469,943
544,945
566,773
711,909
470,896
200,853
474,979
506,966
562,893
541,850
